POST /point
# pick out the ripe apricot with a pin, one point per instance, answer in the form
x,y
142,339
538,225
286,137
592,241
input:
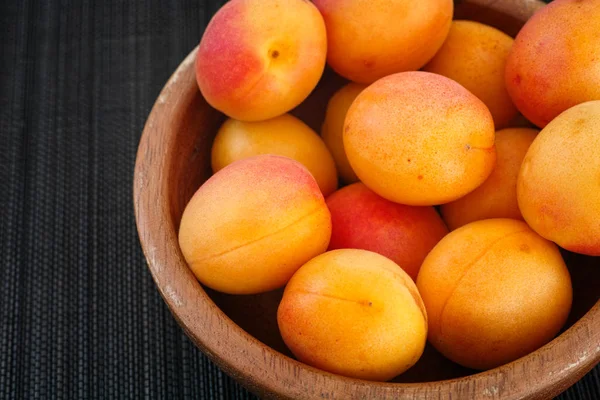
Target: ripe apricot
x,y
494,291
555,61
259,59
354,313
286,136
250,226
369,40
419,138
361,219
558,188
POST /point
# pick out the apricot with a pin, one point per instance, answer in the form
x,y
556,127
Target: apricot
x,y
558,188
333,128
474,55
361,219
494,291
554,63
259,59
367,41
354,313
497,196
286,136
419,138
251,225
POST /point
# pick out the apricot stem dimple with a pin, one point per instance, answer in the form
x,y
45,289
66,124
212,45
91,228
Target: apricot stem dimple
x,y
469,147
271,56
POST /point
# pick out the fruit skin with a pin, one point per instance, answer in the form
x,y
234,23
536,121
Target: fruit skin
x,y
354,313
497,196
558,188
259,59
555,61
286,136
361,219
474,55
333,127
494,291
250,226
368,40
419,138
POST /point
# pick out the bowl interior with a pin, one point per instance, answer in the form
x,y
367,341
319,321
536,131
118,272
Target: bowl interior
x,y
192,125
256,314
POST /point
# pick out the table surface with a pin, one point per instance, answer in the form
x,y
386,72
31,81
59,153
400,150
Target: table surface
x,y
81,317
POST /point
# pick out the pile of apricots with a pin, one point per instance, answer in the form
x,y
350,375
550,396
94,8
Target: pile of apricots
x,y
424,210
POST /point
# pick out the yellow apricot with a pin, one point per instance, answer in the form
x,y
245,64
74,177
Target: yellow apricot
x,y
333,128
286,136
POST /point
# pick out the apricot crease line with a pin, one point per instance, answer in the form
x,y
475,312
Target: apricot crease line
x,y
316,210
365,303
471,264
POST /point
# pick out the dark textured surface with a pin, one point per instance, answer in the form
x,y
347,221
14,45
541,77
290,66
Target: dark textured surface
x,y
79,314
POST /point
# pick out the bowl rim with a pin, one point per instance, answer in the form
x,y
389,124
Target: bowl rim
x,y
270,373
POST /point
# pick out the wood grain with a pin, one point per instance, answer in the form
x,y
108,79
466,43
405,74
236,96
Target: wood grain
x,y
240,333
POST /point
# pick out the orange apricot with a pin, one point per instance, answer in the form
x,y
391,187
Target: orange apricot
x,y
419,138
494,291
250,226
367,41
354,313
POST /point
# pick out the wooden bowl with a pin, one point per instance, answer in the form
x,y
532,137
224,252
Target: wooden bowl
x,y
239,333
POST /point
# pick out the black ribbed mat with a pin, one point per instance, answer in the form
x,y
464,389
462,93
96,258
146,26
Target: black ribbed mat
x,y
80,316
